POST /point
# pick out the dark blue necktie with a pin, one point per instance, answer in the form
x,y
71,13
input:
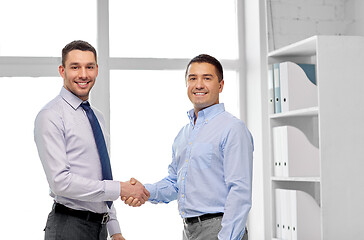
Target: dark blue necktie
x,y
100,143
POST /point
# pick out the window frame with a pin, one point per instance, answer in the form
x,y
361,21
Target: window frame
x,y
100,95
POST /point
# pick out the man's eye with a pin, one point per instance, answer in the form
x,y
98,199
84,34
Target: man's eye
x,y
192,78
90,67
74,67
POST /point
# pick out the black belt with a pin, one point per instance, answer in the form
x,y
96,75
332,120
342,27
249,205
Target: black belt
x,y
202,218
101,218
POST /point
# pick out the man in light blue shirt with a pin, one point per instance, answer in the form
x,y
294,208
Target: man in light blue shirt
x,y
211,170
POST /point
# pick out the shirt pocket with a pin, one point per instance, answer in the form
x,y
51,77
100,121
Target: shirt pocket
x,y
202,155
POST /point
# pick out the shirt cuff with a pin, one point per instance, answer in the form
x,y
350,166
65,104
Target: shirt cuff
x,y
113,227
152,191
112,190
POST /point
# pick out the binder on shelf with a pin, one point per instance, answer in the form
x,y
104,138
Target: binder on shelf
x,y
277,89
298,157
305,216
270,90
286,214
283,214
298,88
277,152
278,213
297,214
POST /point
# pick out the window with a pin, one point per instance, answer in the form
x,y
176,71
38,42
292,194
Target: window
x,y
148,104
173,29
25,202
42,28
147,110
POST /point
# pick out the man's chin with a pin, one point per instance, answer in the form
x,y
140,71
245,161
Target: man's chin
x,y
201,106
82,94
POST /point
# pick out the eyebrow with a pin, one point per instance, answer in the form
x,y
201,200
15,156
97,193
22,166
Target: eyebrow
x,y
77,63
207,74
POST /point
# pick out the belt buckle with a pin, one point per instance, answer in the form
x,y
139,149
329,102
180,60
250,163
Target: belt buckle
x,y
105,218
191,220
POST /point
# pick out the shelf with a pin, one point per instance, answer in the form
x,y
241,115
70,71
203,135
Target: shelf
x,y
305,47
307,112
304,119
310,185
339,71
296,179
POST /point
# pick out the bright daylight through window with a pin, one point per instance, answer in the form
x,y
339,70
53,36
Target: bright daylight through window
x,y
147,106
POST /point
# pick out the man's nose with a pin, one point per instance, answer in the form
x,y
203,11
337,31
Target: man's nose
x,y
199,83
82,73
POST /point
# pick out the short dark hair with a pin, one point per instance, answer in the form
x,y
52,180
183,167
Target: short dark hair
x,y
77,45
204,58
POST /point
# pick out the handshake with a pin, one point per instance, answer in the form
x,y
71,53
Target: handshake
x,y
133,193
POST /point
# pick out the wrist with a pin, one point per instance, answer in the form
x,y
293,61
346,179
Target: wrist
x,y
123,186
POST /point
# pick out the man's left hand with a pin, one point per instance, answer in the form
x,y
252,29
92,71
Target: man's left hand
x,y
117,236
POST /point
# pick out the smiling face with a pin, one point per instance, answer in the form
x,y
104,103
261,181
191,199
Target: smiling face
x,y
79,72
203,86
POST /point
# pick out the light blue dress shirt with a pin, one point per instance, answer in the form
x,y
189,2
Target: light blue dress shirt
x,y
68,152
211,170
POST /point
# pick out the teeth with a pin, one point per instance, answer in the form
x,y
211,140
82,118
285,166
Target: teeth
x,y
200,93
82,84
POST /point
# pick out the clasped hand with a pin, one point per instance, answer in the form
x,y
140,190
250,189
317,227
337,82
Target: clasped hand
x,y
133,193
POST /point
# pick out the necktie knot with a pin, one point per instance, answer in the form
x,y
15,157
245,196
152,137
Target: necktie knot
x,y
86,106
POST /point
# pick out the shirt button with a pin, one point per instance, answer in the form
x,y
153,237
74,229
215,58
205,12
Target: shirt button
x,y
186,160
183,213
190,143
183,195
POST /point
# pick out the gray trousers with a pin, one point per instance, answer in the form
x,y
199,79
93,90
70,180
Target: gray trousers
x,y
60,226
205,230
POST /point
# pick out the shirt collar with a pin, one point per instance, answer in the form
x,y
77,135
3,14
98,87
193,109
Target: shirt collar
x,y
70,98
206,114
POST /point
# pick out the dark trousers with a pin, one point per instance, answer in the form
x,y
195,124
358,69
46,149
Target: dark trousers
x,y
64,227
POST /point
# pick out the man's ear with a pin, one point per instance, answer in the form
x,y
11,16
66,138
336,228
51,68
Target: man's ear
x,y
221,85
61,70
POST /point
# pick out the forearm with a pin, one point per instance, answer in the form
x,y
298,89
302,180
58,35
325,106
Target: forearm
x,y
163,191
113,226
236,212
63,182
73,186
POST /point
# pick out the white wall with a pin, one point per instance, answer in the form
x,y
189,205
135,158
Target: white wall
x,y
293,20
354,10
256,69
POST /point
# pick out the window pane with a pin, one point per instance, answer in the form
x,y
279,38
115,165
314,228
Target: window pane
x,y
171,28
148,108
230,93
42,27
25,203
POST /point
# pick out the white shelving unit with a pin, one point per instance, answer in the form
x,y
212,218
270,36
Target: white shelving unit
x,y
336,127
